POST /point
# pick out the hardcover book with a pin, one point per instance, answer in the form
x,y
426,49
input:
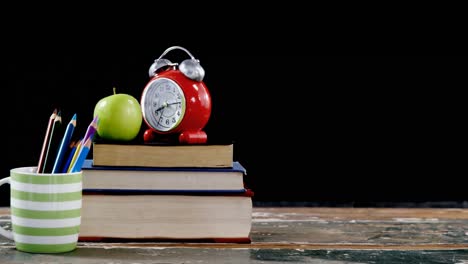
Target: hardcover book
x,y
163,179
223,218
163,155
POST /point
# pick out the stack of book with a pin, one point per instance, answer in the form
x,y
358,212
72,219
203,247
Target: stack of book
x,y
193,193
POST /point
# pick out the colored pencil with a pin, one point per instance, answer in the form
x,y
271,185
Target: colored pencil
x,y
40,165
53,145
77,147
82,156
64,145
73,146
91,130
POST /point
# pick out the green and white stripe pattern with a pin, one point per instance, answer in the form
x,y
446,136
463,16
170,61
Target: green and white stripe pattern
x,y
45,210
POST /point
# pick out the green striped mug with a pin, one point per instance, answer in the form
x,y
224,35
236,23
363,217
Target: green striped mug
x,y
45,210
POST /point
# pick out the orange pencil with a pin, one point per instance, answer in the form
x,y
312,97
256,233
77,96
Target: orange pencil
x,y
70,154
90,131
45,144
61,152
82,156
76,153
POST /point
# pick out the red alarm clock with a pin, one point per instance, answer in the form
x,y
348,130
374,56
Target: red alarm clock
x,y
176,101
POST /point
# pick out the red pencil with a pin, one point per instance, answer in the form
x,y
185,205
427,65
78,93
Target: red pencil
x,y
45,144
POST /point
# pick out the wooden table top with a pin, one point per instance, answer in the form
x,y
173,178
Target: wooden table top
x,y
295,235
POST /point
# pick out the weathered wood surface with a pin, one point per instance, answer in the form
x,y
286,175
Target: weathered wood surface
x,y
296,235
362,227
182,255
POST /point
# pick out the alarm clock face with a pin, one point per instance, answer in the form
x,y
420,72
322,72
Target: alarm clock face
x,y
163,104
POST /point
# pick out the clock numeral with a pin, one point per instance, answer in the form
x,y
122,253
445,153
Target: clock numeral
x,y
178,113
173,120
167,121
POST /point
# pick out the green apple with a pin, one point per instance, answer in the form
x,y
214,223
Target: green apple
x,y
119,117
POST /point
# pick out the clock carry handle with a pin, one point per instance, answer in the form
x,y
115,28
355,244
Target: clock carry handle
x,y
191,68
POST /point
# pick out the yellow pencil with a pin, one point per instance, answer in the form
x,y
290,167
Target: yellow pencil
x,y
82,156
88,135
70,153
64,144
75,155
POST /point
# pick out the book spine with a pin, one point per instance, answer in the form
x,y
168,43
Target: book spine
x,y
239,192
233,240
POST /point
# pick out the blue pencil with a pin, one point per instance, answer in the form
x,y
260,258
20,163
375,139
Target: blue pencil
x,y
81,156
73,147
64,144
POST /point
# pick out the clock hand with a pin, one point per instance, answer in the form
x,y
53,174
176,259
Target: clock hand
x,y
162,107
159,119
165,104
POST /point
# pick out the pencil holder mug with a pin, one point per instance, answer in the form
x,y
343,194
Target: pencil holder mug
x,y
45,210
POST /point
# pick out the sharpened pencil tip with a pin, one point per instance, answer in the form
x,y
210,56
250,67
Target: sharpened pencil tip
x,y
74,117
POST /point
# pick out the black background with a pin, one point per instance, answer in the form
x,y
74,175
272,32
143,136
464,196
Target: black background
x,y
310,130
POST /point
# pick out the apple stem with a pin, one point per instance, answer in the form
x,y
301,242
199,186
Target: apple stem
x,y
114,90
